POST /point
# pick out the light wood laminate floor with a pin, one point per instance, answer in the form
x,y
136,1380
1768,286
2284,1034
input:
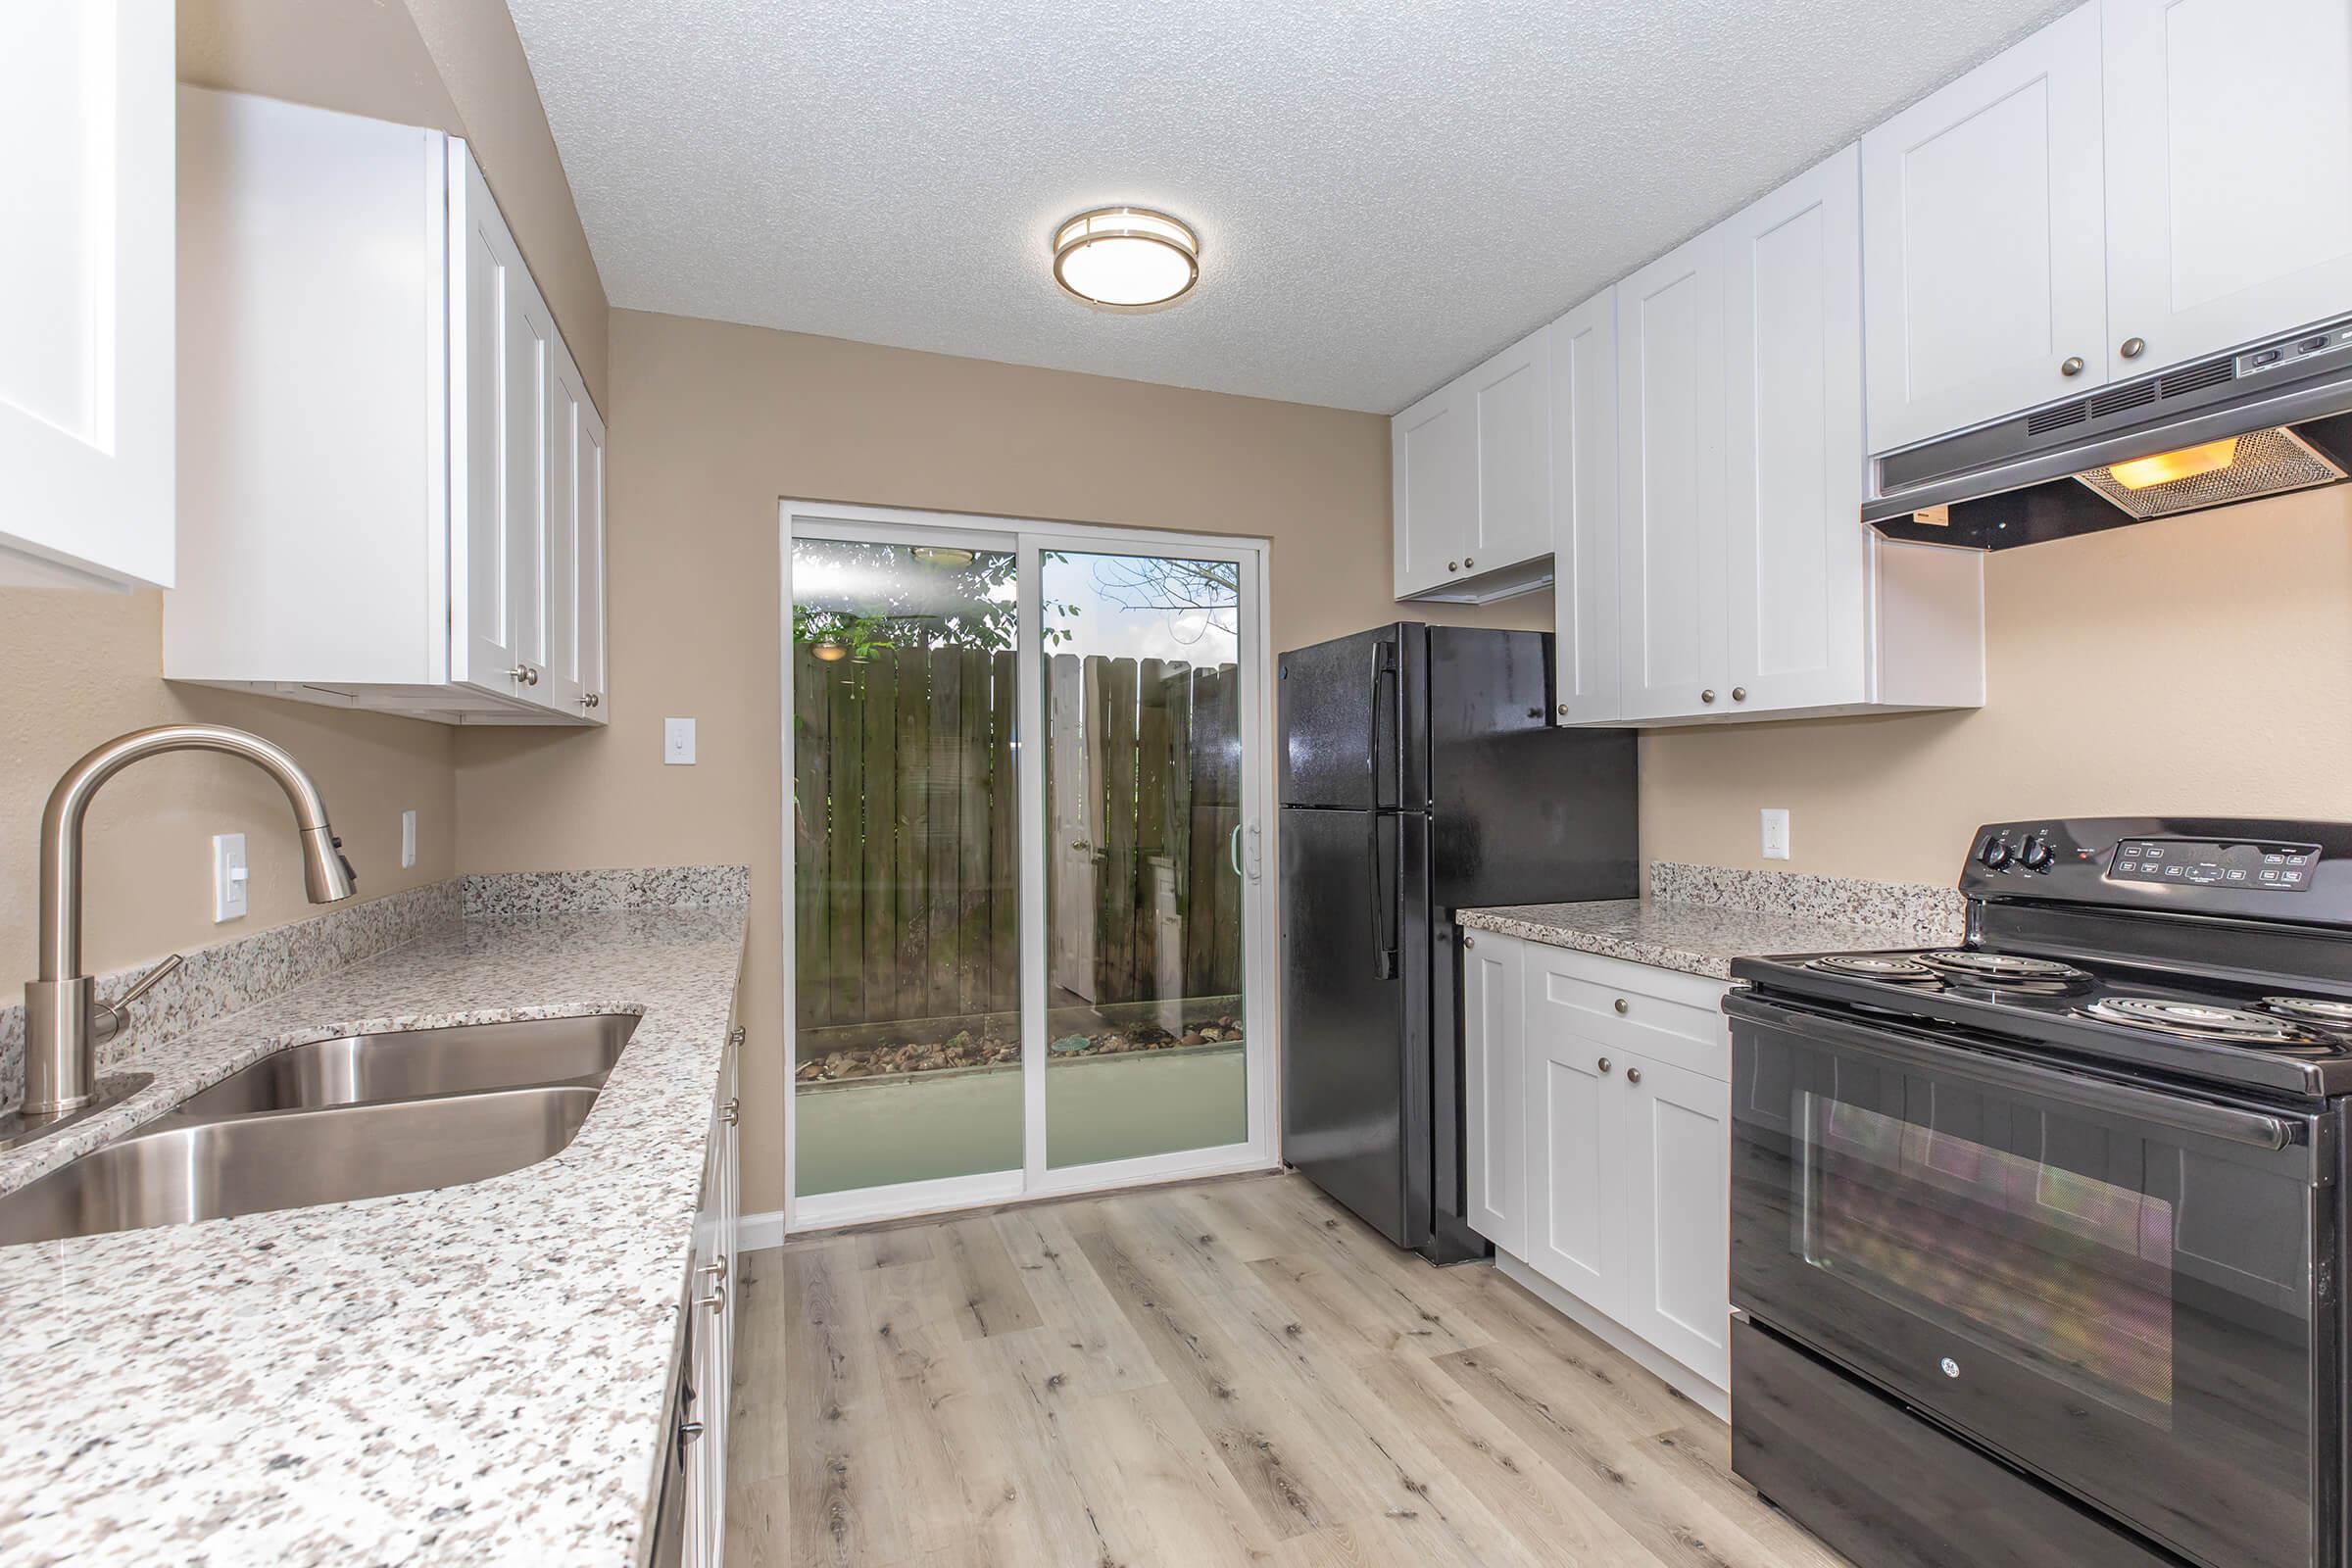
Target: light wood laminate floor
x,y
1229,1373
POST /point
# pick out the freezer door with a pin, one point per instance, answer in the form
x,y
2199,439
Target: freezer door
x,y
1347,1033
1339,704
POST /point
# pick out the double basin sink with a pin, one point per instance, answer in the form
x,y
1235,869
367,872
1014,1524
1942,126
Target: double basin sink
x,y
334,1120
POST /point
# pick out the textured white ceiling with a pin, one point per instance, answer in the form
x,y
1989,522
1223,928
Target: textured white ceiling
x,y
1386,190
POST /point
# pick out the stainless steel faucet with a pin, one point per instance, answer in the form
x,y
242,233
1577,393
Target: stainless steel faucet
x,y
65,1022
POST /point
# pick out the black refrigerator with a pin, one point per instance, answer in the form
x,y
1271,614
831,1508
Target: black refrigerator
x,y
1421,774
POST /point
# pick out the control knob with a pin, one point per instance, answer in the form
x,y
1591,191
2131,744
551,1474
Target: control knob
x,y
1995,855
2035,856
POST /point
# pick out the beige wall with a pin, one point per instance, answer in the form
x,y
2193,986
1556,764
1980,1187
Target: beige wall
x,y
2202,664
712,424
82,669
454,65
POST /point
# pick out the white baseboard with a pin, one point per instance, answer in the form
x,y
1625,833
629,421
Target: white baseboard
x,y
755,1231
1691,1385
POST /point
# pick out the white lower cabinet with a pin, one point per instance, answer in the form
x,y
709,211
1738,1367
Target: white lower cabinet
x,y
1622,1147
711,1304
1492,1088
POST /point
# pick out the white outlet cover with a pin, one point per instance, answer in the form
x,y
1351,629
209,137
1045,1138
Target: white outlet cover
x,y
407,839
677,742
1776,833
229,879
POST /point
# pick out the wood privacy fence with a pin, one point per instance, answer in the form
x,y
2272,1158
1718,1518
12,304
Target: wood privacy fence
x,y
907,884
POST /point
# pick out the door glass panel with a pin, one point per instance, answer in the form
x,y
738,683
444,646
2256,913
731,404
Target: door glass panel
x,y
1144,898
2048,1264
905,885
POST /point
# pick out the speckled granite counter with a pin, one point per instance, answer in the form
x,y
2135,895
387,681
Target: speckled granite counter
x,y
1730,914
472,1375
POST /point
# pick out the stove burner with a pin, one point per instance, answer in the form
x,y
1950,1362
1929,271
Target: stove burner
x,y
2197,1019
1983,965
2326,1011
1873,967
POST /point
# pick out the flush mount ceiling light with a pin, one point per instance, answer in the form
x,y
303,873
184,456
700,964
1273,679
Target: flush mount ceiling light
x,y
1126,258
944,556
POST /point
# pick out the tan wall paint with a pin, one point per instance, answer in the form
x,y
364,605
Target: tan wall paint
x,y
454,65
81,668
712,424
2202,664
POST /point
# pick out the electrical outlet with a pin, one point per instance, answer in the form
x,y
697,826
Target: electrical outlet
x,y
677,742
407,839
1776,833
228,877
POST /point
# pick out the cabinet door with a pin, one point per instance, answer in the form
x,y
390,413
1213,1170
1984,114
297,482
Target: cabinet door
x,y
1670,1162
563,688
2228,157
589,493
1797,555
1584,508
1495,1083
498,419
1985,241
1510,395
1433,459
1670,481
86,292
1575,1198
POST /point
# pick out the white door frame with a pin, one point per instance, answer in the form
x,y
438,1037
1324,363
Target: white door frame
x,y
1260,964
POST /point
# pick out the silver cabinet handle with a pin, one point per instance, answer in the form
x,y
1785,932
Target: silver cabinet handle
x,y
1604,1065
688,1431
1467,563
718,1271
2135,346
1708,696
716,1300
1469,941
1632,1075
1453,566
1622,1005
592,699
735,1036
525,675
2071,367
1563,709
731,1113
1739,693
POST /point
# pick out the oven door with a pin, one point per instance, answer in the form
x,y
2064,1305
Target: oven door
x,y
2124,1290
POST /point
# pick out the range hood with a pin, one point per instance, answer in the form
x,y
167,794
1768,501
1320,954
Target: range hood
x,y
2269,419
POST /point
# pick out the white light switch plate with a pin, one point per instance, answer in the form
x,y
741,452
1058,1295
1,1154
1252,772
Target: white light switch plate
x,y
1776,833
228,877
407,839
677,741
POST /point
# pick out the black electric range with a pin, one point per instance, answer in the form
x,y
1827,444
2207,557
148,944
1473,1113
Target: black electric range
x,y
2037,1239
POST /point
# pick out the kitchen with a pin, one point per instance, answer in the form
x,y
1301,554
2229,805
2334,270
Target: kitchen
x,y
1015,1201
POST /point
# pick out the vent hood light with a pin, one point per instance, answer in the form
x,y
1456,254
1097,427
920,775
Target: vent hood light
x,y
2165,467
1126,258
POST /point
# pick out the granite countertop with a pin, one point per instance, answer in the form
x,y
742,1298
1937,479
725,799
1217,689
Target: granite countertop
x,y
1693,937
471,1375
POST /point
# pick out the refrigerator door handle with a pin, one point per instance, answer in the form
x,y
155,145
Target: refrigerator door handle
x,y
1382,664
1384,933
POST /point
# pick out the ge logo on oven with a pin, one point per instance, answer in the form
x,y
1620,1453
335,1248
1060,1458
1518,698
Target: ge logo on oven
x,y
1951,1368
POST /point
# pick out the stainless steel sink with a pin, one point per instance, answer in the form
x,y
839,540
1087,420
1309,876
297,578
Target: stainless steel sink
x,y
358,1069
180,1170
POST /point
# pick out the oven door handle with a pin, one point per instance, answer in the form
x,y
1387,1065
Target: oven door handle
x,y
2202,1118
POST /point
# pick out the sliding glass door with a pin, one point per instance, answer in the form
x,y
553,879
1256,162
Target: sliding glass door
x,y
1020,967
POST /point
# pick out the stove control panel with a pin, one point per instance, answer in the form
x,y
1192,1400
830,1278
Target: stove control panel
x,y
2263,867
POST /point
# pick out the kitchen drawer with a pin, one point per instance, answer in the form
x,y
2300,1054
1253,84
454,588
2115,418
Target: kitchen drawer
x,y
1663,1014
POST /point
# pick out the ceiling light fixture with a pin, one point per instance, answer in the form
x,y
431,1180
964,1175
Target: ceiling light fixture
x,y
1126,258
944,556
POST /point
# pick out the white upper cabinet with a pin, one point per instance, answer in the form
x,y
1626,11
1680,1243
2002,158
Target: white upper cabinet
x,y
1670,481
1985,251
1795,557
87,348
381,417
1472,472
1584,509
2229,152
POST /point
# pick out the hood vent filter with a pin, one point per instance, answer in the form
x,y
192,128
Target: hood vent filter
x,y
2266,462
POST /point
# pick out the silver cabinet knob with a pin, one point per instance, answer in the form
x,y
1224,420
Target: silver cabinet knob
x,y
1708,696
2135,346
731,1113
1604,1065
520,674
718,1271
716,1300
1469,941
1622,1005
593,700
2071,367
735,1035
1632,1075
1467,561
1563,709
688,1431
1739,693
1453,566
